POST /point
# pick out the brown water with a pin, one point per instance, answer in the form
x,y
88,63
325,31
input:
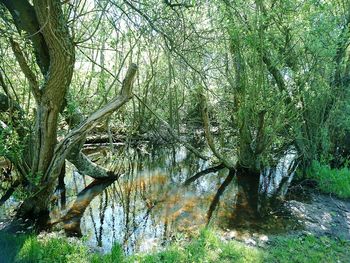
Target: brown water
x,y
149,205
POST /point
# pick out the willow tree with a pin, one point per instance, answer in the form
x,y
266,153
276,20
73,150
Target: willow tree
x,y
42,154
281,85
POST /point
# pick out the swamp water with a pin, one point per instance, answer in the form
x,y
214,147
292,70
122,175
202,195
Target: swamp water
x,y
148,205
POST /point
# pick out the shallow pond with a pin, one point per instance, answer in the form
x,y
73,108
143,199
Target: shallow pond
x,y
148,205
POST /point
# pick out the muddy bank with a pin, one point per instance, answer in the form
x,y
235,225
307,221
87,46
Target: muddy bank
x,y
319,215
323,215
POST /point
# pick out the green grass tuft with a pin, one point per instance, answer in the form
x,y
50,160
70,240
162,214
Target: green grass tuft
x,y
116,255
207,247
52,250
335,181
308,249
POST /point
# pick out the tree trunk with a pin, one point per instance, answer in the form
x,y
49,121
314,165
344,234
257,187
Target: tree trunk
x,y
247,204
38,204
36,208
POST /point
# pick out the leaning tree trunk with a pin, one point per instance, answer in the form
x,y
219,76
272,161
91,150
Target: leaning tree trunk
x,y
54,50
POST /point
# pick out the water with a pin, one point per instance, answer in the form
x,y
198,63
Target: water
x,y
148,205
276,180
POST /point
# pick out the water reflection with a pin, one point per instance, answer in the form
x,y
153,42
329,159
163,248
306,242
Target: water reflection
x,y
146,206
160,192
275,181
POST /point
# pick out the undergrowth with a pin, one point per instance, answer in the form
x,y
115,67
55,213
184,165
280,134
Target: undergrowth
x,y
333,181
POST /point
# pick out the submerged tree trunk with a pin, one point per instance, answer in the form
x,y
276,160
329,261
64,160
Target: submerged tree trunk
x,y
247,203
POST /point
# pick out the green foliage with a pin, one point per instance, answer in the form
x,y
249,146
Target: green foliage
x,y
334,181
52,250
34,178
71,107
10,145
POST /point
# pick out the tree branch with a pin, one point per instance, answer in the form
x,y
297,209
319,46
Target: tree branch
x,y
172,5
84,165
34,85
24,17
74,136
205,116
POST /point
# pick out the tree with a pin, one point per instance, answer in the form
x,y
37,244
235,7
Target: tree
x,y
43,156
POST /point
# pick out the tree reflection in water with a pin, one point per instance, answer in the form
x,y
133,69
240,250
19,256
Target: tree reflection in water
x,y
158,195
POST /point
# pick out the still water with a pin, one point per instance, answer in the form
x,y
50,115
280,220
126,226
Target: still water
x,y
148,205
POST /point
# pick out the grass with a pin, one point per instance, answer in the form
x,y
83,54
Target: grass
x,y
308,249
206,247
52,250
334,181
31,249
